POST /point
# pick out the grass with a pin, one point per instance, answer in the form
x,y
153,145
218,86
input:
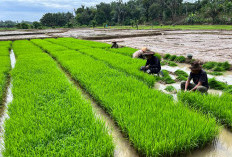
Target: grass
x,y
4,67
181,75
154,124
180,59
219,106
48,116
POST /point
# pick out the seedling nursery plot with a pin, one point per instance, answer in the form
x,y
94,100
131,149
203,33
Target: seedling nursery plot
x,y
152,121
4,67
48,116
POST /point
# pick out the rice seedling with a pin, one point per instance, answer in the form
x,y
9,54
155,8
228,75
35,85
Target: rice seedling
x,y
215,73
169,63
181,75
124,50
180,59
118,61
166,56
217,66
4,67
228,89
170,89
172,57
214,84
48,116
167,78
154,124
219,106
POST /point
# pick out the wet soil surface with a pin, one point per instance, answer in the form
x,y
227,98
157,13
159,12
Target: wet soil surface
x,y
206,45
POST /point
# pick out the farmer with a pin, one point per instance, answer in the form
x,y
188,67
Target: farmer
x,y
153,64
114,44
200,80
139,53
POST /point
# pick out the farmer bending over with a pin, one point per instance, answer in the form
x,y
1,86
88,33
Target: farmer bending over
x,y
199,77
153,64
139,53
114,44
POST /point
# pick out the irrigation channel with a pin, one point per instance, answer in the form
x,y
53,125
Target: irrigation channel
x,y
8,100
123,148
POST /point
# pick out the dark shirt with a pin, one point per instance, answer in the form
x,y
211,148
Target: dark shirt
x,y
200,77
154,62
114,45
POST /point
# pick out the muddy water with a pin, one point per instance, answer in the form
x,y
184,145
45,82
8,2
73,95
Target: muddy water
x,y
9,99
221,147
123,147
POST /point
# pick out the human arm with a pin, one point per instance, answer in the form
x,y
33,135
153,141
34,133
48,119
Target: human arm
x,y
187,84
199,84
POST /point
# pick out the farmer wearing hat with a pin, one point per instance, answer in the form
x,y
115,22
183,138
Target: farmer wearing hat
x,y
200,79
153,64
114,44
139,53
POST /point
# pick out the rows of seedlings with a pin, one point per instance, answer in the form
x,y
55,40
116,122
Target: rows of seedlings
x,y
4,67
219,106
48,116
117,60
150,119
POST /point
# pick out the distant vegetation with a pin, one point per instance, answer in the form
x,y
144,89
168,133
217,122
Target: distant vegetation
x,y
137,12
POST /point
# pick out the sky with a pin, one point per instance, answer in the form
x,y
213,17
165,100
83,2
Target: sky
x,y
33,10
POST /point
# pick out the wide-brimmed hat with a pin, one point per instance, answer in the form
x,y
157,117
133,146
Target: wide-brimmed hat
x,y
148,53
196,65
144,49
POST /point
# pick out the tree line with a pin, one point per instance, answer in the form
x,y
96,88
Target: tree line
x,y
134,12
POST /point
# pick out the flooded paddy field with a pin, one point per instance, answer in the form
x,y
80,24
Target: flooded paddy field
x,y
221,145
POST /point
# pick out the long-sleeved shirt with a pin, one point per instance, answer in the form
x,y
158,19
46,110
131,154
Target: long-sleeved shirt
x,y
138,54
154,62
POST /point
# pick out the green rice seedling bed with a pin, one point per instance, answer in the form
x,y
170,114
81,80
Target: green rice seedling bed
x,y
48,116
169,63
218,85
219,106
87,43
4,67
167,78
118,61
127,51
181,75
217,66
152,121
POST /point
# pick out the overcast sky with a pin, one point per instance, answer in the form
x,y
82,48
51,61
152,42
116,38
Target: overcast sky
x,y
33,10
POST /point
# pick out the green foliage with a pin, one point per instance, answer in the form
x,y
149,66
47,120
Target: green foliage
x,y
167,78
217,66
170,89
181,75
172,57
214,84
158,56
166,56
120,62
180,59
48,116
228,89
215,73
56,19
169,63
137,109
4,67
218,106
124,50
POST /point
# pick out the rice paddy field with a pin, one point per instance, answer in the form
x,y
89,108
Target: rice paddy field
x,y
49,116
